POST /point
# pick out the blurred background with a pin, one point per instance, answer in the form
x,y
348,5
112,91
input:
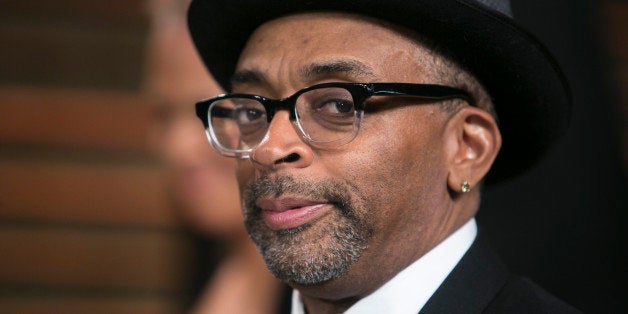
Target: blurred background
x,y
84,222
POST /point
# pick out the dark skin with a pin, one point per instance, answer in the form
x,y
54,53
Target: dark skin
x,y
407,163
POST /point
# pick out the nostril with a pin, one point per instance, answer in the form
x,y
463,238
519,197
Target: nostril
x,y
290,158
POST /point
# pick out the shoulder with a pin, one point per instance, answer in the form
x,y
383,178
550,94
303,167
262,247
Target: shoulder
x,y
521,295
481,283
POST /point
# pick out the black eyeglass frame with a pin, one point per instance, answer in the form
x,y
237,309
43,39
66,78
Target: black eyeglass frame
x,y
359,91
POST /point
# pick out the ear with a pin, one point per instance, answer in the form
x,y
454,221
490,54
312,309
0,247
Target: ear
x,y
472,143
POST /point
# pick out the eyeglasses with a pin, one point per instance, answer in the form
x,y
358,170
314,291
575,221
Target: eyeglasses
x,y
324,114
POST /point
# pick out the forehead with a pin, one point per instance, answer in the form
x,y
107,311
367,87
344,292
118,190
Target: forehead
x,y
290,45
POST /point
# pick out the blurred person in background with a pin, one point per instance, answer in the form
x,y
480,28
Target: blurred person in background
x,y
202,184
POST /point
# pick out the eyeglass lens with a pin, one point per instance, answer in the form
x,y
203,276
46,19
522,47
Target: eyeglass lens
x,y
322,115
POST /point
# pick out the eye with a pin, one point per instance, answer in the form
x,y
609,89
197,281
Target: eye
x,y
335,106
246,115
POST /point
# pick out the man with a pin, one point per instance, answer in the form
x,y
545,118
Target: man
x,y
364,132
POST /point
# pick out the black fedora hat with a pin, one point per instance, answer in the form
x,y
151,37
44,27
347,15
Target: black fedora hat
x,y
529,91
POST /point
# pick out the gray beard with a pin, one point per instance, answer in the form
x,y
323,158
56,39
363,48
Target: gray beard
x,y
308,254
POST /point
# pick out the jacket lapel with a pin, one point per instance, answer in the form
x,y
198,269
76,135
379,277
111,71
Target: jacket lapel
x,y
472,284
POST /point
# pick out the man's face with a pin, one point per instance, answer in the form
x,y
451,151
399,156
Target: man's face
x,y
354,214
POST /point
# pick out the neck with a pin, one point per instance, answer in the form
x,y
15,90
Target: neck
x,y
328,307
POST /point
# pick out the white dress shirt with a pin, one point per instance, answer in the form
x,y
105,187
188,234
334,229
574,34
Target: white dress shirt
x,y
410,289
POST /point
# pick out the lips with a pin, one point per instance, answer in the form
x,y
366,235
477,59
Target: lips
x,y
290,212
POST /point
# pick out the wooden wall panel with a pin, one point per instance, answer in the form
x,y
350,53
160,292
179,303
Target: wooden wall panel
x,y
88,258
72,43
91,305
84,193
613,25
84,222
75,119
127,12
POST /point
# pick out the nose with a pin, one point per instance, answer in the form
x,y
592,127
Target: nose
x,y
283,146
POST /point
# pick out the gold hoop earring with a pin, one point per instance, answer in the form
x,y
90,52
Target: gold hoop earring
x,y
465,187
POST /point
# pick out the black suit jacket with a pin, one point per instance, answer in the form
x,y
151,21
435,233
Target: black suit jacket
x,y
481,283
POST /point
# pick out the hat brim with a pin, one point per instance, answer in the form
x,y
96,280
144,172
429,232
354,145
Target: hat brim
x,y
529,92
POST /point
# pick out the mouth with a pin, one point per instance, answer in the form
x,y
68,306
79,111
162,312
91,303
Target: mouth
x,y
291,212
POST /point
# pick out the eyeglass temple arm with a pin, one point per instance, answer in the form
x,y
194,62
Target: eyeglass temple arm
x,y
429,91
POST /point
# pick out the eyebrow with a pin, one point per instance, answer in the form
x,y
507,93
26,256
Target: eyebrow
x,y
311,72
247,76
344,67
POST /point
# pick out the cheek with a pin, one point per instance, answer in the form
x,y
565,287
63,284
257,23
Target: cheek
x,y
402,143
394,167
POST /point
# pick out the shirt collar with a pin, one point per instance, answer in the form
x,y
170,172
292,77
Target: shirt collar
x,y
410,289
